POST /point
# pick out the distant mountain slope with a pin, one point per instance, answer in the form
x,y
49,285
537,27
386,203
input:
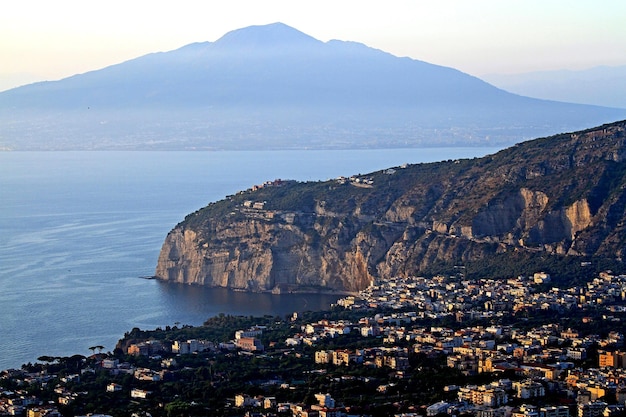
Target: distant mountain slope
x,y
275,87
602,86
272,65
561,195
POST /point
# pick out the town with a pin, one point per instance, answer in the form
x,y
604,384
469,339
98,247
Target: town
x,y
445,345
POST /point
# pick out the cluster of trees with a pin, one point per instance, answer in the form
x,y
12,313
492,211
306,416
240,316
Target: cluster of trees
x,y
565,271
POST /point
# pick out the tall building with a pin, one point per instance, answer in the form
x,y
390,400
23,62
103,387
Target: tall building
x,y
611,359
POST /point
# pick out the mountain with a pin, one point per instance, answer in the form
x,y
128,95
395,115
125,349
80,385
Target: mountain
x,y
275,87
602,86
556,198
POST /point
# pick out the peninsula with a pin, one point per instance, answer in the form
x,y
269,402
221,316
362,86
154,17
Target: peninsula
x,y
563,196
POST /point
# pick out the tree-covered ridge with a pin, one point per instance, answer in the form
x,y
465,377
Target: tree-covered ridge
x,y
569,166
562,195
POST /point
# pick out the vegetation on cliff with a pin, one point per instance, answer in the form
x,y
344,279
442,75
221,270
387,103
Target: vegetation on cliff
x,y
562,196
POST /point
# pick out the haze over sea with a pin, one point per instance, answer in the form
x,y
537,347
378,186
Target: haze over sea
x,y
79,229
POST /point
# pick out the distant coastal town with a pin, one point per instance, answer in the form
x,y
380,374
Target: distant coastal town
x,y
520,347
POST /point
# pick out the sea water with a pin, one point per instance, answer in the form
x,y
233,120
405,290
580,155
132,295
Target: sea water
x,y
79,229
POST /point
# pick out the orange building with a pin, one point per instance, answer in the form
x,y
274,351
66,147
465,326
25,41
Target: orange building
x,y
608,359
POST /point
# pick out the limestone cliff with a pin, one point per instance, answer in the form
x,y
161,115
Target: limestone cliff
x,y
559,195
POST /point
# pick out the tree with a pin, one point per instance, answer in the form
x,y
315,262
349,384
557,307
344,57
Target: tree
x,y
177,408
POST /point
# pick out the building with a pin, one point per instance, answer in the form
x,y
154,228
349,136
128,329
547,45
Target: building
x,y
110,363
541,278
145,348
607,359
482,411
269,402
494,397
345,357
42,412
393,361
139,393
437,408
113,387
244,400
330,412
139,349
596,391
483,395
191,346
323,356
250,344
367,331
168,363
528,389
325,400
578,353
593,409
527,410
555,411
467,364
241,399
254,332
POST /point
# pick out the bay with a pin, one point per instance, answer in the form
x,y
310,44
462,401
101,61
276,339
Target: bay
x,y
79,229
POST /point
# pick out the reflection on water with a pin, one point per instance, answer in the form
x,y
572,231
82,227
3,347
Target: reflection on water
x,y
196,301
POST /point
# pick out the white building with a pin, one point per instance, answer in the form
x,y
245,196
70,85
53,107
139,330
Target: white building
x,y
254,332
528,389
139,393
113,387
110,363
190,346
437,408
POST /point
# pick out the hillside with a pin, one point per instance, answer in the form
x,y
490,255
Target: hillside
x,y
274,87
563,195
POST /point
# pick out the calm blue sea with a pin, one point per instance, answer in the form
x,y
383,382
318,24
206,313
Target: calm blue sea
x,y
79,229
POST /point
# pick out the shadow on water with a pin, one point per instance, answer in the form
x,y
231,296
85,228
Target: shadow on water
x,y
198,301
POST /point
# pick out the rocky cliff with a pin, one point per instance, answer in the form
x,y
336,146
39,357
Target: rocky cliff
x,y
560,195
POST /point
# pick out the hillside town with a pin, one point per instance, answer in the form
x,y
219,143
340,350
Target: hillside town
x,y
413,346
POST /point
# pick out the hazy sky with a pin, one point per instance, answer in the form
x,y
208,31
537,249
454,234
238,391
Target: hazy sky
x,y
52,39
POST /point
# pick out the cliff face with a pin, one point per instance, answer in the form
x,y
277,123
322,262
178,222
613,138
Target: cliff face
x,y
558,195
259,255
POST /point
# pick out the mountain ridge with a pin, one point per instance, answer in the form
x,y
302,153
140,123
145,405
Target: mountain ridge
x,y
561,196
247,90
